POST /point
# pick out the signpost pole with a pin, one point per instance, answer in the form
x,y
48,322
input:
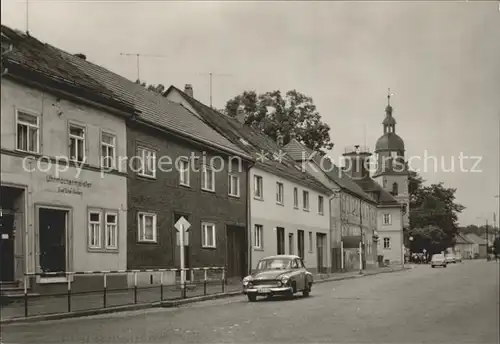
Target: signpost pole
x,y
360,258
181,249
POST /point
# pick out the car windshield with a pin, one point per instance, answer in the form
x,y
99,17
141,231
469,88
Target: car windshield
x,y
274,264
437,257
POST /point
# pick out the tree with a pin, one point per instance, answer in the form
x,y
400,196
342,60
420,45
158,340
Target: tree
x,y
433,215
496,247
157,89
293,115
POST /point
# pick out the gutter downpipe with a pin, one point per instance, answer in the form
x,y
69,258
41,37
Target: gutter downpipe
x,y
249,217
337,194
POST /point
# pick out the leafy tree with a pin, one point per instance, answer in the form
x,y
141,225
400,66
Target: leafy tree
x,y
291,115
433,215
157,89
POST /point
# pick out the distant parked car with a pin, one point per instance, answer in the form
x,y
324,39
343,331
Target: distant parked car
x,y
438,260
450,258
458,257
278,275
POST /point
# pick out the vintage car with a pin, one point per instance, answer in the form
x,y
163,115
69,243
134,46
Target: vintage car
x,y
278,275
458,257
438,260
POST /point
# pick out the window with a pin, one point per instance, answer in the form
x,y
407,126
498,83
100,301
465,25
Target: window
x,y
111,238
279,193
147,162
311,241
94,229
28,132
258,232
258,188
290,243
207,179
305,200
147,227
387,243
295,198
108,150
387,219
234,185
76,143
184,172
395,189
320,205
208,234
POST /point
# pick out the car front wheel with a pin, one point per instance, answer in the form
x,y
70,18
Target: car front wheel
x,y
252,297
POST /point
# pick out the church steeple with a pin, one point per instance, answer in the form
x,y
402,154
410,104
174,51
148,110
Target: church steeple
x,y
389,122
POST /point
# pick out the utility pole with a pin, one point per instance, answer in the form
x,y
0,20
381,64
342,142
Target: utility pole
x,y
138,56
211,75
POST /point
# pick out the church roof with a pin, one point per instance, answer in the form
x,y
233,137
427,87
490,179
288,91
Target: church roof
x,y
390,141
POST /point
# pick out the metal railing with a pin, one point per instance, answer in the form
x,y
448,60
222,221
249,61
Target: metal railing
x,y
213,280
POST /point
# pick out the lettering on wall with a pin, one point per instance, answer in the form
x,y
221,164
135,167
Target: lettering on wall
x,y
71,186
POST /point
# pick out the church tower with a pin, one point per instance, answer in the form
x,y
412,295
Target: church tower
x,y
392,169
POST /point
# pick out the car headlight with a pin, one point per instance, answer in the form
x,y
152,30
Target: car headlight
x,y
247,280
284,280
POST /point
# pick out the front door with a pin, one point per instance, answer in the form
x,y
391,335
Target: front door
x,y
6,246
236,252
320,250
52,234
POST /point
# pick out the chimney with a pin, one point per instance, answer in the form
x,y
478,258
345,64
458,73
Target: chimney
x,y
188,89
279,138
240,114
82,56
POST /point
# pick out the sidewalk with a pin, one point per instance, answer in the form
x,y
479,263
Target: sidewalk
x,y
47,307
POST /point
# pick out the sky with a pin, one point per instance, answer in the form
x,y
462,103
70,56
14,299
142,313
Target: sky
x,y
441,61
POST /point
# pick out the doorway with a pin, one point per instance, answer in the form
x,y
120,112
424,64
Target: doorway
x,y
300,243
236,252
6,246
320,251
52,227
280,239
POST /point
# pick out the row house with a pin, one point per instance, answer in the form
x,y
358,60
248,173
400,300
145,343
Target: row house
x,y
288,207
353,212
186,169
63,198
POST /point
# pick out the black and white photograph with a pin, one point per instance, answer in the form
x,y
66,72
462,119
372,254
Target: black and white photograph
x,y
259,172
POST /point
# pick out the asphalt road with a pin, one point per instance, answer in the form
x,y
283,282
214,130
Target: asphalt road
x,y
455,305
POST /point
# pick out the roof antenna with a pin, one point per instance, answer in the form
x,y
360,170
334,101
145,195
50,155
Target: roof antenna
x,y
27,17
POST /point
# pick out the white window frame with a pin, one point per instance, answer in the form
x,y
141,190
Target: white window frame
x,y
204,236
109,148
184,173
114,230
280,189
141,227
258,189
79,140
28,126
258,237
236,179
388,241
148,154
205,172
321,205
305,200
92,232
387,219
296,198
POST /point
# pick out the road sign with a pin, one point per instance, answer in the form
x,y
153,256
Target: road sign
x,y
182,224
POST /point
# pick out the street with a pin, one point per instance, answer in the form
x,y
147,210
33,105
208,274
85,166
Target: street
x,y
458,304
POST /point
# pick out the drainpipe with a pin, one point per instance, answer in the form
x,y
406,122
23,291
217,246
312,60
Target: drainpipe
x,y
249,217
360,239
335,195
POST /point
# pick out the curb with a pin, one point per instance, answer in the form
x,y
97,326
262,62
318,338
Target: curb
x,y
167,303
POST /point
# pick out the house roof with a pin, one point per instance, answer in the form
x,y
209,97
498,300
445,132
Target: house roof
x,y
371,186
300,152
35,61
462,239
475,239
254,142
156,109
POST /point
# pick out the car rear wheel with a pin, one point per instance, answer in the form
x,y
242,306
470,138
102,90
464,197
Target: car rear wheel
x,y
252,297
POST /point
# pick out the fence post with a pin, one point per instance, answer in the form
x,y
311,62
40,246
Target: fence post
x,y
205,282
104,299
135,286
68,276
161,285
25,296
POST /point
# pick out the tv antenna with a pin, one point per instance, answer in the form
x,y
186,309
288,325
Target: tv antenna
x,y
27,16
138,56
211,75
